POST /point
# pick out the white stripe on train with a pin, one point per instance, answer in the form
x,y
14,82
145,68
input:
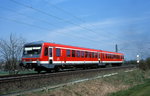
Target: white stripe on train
x,y
57,62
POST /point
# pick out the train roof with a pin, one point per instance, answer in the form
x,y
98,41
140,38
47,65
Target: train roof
x,y
35,43
69,46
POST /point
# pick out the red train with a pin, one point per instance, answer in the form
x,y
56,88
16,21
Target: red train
x,y
50,56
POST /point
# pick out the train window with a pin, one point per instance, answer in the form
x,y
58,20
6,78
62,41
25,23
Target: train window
x,y
86,54
58,52
68,53
96,55
114,57
73,53
107,56
46,51
103,55
82,54
78,53
111,56
89,54
92,54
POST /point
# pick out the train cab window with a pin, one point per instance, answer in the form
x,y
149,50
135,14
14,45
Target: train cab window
x,y
68,53
73,53
46,52
58,52
82,54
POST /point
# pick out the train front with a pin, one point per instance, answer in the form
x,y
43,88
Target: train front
x,y
31,55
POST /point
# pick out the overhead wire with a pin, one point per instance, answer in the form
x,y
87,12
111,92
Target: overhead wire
x,y
51,15
28,16
67,12
36,26
72,15
31,25
56,17
48,15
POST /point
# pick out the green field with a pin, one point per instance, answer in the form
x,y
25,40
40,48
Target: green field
x,y
138,90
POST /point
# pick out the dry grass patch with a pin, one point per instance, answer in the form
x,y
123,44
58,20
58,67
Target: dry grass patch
x,y
88,88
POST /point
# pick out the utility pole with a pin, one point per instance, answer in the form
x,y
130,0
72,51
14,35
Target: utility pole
x,y
116,48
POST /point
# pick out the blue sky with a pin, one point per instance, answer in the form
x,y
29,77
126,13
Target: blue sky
x,y
98,24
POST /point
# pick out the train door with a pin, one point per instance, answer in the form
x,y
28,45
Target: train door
x,y
99,59
50,51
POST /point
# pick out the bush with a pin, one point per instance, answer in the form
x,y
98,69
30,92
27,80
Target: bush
x,y
145,64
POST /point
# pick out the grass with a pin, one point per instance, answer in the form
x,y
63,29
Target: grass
x,y
98,87
101,87
138,90
2,73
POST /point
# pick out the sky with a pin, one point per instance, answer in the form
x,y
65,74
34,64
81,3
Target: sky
x,y
98,24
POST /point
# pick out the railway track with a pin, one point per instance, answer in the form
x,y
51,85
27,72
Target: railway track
x,y
12,78
9,86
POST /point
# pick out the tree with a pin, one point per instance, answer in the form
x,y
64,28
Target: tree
x,y
11,52
145,64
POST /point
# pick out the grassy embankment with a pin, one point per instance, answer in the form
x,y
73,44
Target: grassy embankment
x,y
2,73
103,86
138,90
